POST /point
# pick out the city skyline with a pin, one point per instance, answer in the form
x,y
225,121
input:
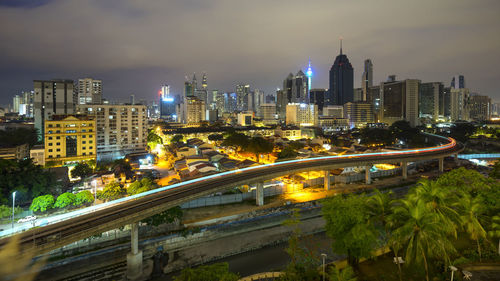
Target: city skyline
x,y
138,57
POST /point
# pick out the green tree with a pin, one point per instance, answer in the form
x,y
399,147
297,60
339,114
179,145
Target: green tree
x,y
287,152
238,140
375,136
462,131
494,231
112,191
213,272
122,166
347,223
65,200
215,137
379,208
6,211
84,197
19,136
421,231
495,172
141,186
153,139
258,145
177,139
470,211
42,203
167,216
81,170
347,274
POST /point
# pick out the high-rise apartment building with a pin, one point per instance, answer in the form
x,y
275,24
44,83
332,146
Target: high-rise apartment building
x,y
281,102
167,104
242,93
26,105
341,81
121,129
89,91
358,113
373,97
480,107
431,100
459,104
16,102
366,79
69,139
399,101
301,114
195,110
52,97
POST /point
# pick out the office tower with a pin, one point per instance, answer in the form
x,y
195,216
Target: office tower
x,y
459,104
230,102
167,104
242,92
317,97
255,99
16,102
296,88
194,83
431,102
366,79
458,82
70,139
202,95
52,97
301,114
281,102
447,102
188,89
212,99
336,111
268,111
358,113
495,109
132,99
399,101
479,108
341,81
391,78
358,94
270,99
25,101
89,91
195,110
219,103
373,97
121,129
204,84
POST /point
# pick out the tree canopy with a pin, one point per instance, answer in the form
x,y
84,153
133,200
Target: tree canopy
x,y
111,191
42,203
167,216
64,200
84,197
81,170
19,136
140,186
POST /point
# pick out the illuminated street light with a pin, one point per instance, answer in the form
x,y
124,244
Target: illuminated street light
x,y
453,269
13,206
323,256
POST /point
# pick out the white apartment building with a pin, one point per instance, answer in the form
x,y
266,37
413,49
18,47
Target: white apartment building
x,y
89,91
121,129
301,114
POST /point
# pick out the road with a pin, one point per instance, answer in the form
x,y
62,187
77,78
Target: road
x,y
77,225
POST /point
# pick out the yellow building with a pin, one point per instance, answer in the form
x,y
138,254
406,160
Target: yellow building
x,y
70,139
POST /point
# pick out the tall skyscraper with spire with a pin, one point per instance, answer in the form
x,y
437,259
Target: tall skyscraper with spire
x,y
309,74
204,82
367,78
341,81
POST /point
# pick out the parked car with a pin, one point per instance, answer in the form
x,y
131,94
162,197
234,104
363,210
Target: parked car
x,y
27,219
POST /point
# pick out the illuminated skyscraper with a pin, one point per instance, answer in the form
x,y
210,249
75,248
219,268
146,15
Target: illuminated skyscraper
x,y
341,81
204,81
367,78
167,104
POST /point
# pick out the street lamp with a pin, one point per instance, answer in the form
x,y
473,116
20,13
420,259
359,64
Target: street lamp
x,y
13,206
323,256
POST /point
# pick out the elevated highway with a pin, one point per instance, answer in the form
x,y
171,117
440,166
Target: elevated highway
x,y
111,215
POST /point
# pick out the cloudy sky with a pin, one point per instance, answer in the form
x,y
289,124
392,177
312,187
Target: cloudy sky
x,y
135,46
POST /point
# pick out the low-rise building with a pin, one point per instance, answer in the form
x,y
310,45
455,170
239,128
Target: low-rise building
x,y
70,139
14,152
37,153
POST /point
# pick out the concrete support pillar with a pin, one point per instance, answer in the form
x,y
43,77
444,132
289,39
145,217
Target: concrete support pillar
x,y
455,157
368,176
259,194
134,258
441,164
404,169
327,180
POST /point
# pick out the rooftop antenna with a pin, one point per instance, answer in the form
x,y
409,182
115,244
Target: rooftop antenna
x,y
341,44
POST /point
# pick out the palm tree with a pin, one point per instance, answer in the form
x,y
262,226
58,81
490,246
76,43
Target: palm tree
x,y
495,230
379,207
440,201
470,210
422,231
347,274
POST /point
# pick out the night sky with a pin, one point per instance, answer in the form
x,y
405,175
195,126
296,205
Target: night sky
x,y
135,46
